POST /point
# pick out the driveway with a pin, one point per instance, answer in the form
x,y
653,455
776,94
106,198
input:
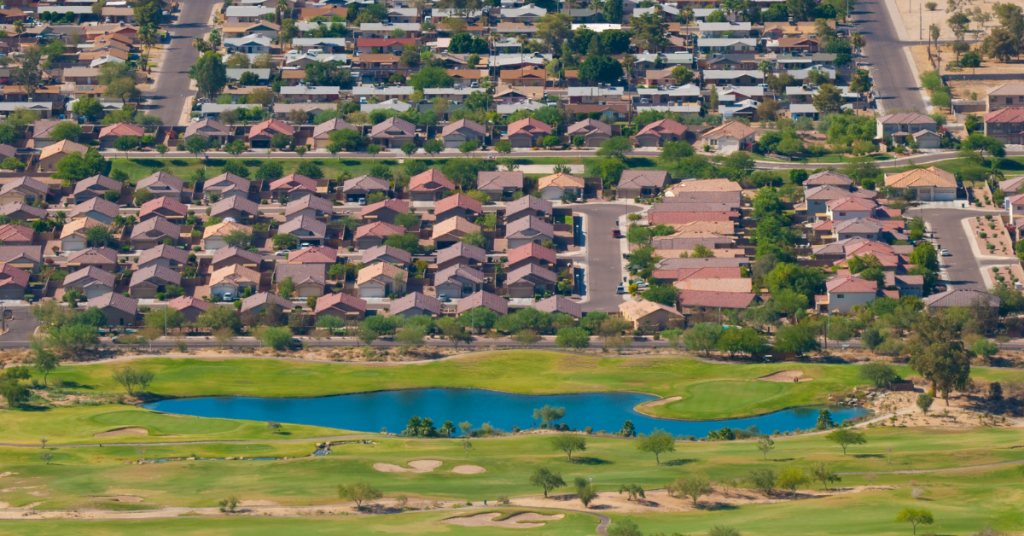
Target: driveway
x,y
19,327
897,87
962,267
604,254
167,99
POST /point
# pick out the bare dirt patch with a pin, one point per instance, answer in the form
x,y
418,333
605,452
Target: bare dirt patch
x,y
418,466
785,376
661,402
124,498
7,473
469,470
519,521
122,432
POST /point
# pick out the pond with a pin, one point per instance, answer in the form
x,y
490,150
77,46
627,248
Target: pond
x,y
391,410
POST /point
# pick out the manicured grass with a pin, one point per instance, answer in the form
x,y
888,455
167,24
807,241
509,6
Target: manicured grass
x,y
79,424
711,391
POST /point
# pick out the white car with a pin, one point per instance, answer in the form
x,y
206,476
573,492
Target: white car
x,y
283,253
944,253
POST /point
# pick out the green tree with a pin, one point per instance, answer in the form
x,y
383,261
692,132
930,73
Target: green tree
x,y
616,147
880,375
844,437
702,337
915,516
210,74
924,402
693,486
657,442
946,364
65,130
572,338
791,478
278,338
821,472
765,444
543,478
568,443
798,339
44,360
762,479
359,492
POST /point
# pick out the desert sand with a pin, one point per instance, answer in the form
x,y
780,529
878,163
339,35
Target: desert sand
x,y
418,466
785,376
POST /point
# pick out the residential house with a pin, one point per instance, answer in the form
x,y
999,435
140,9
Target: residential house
x,y
649,315
292,187
483,299
381,280
214,235
226,185
527,132
308,230
459,205
1006,125
23,190
1010,95
230,255
452,230
163,255
211,129
730,137
559,305
322,132
52,154
257,303
461,131
431,185
147,282
415,304
189,307
96,208
374,234
118,309
16,235
237,207
593,132
111,133
692,301
641,183
13,282
388,254
21,212
229,283
900,125
95,186
560,185
387,45
361,187
657,133
498,184
261,134
460,253
530,253
525,77
961,298
153,231
816,199
92,281
386,210
309,279
103,258
850,207
828,178
41,131
72,235
457,281
311,206
931,184
162,184
926,139
528,205
528,229
341,305
530,280
393,132
163,207
844,292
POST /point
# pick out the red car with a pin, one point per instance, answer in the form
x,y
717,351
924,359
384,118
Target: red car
x,y
616,233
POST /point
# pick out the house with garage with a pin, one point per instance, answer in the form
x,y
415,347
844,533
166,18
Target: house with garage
x,y
460,253
224,186
214,131
13,282
528,229
388,254
530,280
527,132
452,230
96,208
229,283
845,292
24,190
308,230
341,305
431,185
593,132
483,299
559,305
236,207
214,235
189,307
168,208
499,184
261,133
386,210
457,281
309,279
148,281
461,131
154,231
415,304
103,258
528,205
656,134
900,125
118,309
110,133
829,178
52,154
292,187
361,187
322,132
729,138
21,212
649,315
230,255
163,255
322,256
530,253
16,235
92,281
72,235
257,303
95,186
162,184
561,185
311,206
381,280
374,234
458,205
393,132
641,183
931,184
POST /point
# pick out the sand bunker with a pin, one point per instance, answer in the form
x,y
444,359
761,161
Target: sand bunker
x,y
123,431
469,470
785,376
661,401
418,466
6,473
518,521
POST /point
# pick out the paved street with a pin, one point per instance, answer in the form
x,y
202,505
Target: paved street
x,y
894,80
604,254
168,96
962,267
20,326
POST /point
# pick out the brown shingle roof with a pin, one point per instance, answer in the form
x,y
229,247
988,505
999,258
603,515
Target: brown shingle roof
x,y
416,300
483,299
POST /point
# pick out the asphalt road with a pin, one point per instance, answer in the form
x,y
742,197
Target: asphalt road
x,y
897,87
962,268
604,254
167,98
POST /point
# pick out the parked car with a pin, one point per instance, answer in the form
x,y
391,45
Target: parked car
x,y
616,233
944,253
362,201
620,290
442,298
283,253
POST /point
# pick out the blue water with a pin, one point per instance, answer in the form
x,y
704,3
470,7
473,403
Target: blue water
x,y
370,412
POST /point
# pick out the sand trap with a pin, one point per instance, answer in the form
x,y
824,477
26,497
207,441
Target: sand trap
x,y
661,401
785,376
518,521
123,431
469,470
418,466
4,506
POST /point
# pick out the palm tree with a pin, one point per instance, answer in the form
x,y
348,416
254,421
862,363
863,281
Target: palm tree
x,y
200,44
765,67
60,217
628,64
447,428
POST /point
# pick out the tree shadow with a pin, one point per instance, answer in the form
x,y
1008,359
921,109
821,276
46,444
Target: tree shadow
x,y
177,162
782,459
71,384
678,462
720,507
868,456
33,408
148,162
586,460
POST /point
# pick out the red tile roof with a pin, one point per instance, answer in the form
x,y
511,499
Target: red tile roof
x,y
530,251
332,301
429,181
1006,115
458,201
707,298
